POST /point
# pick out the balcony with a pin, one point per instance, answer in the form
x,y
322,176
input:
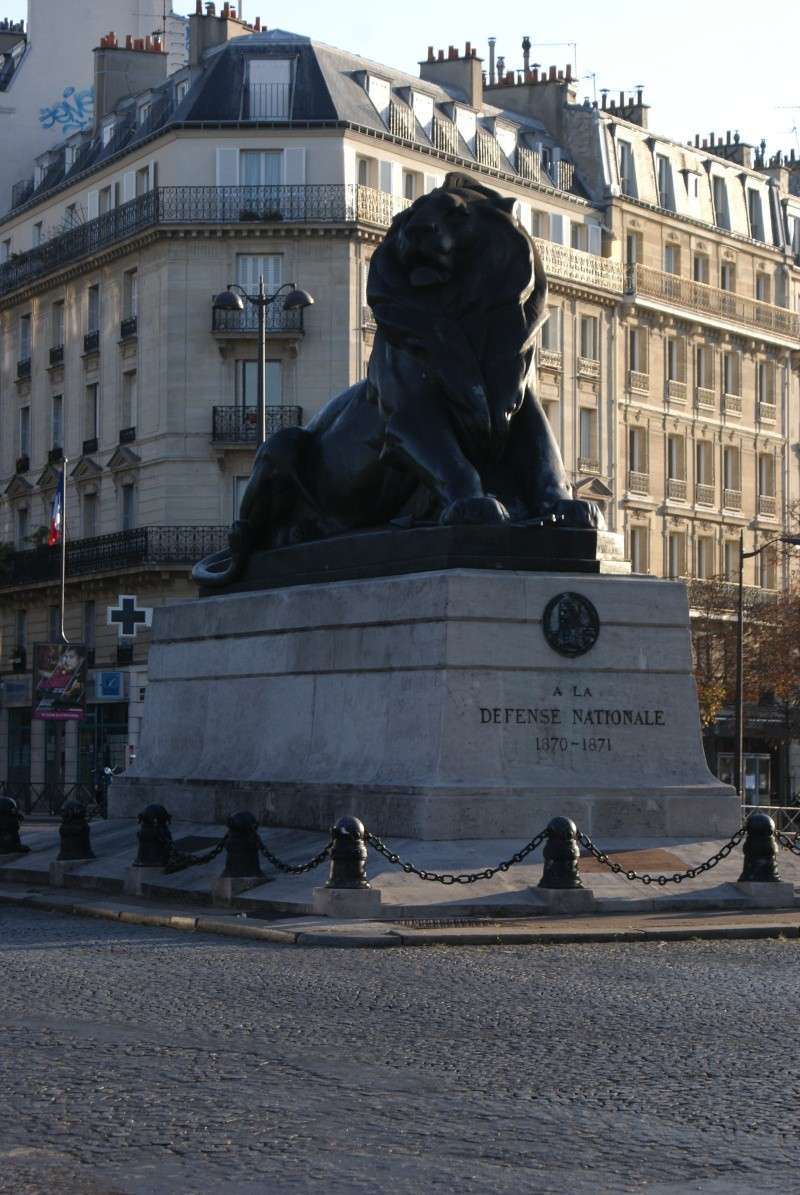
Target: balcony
x,y
767,505
268,101
587,464
589,368
676,488
723,305
549,359
56,355
128,327
732,499
732,404
245,323
705,397
573,265
138,547
638,382
91,342
676,391
242,425
704,494
766,412
24,368
638,483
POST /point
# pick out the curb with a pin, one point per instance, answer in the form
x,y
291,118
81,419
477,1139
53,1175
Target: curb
x,y
369,939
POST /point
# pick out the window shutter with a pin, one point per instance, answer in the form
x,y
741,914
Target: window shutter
x,y
92,205
294,164
350,167
128,185
227,166
595,239
557,228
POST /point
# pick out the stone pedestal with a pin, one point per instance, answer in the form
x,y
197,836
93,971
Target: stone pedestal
x,y
768,896
347,902
137,877
225,888
431,706
564,900
60,869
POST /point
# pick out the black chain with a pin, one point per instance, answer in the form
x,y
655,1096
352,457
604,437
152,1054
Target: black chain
x,y
299,868
467,877
791,844
677,877
180,860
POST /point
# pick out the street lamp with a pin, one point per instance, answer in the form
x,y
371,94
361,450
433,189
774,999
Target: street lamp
x,y
738,775
233,298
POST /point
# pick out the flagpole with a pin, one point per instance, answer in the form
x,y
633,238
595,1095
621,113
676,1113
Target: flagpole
x,y
63,548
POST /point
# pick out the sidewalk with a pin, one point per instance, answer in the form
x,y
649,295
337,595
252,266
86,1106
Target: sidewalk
x,y
508,908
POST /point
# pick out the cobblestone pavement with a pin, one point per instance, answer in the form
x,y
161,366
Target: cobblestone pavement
x,y
137,1061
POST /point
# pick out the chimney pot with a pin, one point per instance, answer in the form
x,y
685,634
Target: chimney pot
x,y
612,105
128,41
622,99
705,143
468,50
441,56
257,25
198,8
568,72
639,93
711,139
561,76
430,54
603,99
552,74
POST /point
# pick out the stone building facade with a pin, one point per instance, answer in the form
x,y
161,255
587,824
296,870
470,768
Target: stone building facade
x,y
668,366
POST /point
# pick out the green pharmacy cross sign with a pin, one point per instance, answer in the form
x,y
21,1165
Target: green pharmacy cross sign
x,y
128,617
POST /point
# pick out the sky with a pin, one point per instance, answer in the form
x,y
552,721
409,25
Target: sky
x,y
706,67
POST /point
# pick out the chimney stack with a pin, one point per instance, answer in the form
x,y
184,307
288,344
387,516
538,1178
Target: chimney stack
x,y
492,42
526,55
464,73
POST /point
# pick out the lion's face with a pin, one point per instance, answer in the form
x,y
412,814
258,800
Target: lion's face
x,y
438,228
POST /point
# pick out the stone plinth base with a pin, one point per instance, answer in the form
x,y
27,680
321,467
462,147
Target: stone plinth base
x,y
225,888
60,868
347,902
137,877
565,900
431,706
768,896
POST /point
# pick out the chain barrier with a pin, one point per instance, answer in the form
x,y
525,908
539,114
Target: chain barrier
x,y
467,877
180,860
662,880
791,844
295,869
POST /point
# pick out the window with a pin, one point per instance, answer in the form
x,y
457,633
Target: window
x,y
579,237
89,622
731,473
239,487
128,492
639,550
704,367
677,554
250,268
672,259
765,383
89,515
551,330
666,195
144,112
413,184
705,557
24,431
588,436
21,538
366,171
704,459
538,224
261,167
675,359
269,90
57,422
701,268
54,624
38,230
730,557
766,475
5,249
637,450
130,294
727,276
589,338
108,132
755,212
71,215
91,425
720,195
105,200
768,568
676,458
93,309
731,373
627,170
763,288
634,248
181,90
247,383
57,324
25,337
637,350
142,180
129,397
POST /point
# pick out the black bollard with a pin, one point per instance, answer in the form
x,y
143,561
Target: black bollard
x,y
154,837
561,854
242,859
74,832
760,851
348,855
10,821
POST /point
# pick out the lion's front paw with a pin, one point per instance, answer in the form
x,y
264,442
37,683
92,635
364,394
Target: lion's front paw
x,y
575,512
475,510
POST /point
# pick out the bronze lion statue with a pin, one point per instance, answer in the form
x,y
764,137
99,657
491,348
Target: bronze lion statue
x,y
446,427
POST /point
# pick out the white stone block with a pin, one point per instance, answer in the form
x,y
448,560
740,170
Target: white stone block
x,y
779,895
347,902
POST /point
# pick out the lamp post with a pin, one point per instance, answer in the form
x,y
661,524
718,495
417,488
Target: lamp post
x,y
738,774
233,299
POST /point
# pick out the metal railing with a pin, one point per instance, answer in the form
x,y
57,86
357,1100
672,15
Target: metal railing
x,y
402,122
24,368
57,354
128,327
241,425
47,798
91,342
588,368
549,358
588,464
704,494
277,320
722,304
574,265
108,553
785,817
269,101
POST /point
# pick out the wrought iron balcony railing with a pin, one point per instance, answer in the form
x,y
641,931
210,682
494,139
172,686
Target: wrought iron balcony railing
x,y
268,101
24,368
128,327
242,425
246,321
720,304
109,553
91,342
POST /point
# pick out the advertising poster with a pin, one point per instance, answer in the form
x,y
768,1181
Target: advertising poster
x,y
59,679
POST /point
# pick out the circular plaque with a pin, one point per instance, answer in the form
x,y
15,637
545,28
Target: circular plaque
x,y
570,624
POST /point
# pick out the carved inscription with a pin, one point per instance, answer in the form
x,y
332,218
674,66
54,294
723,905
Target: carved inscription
x,y
559,728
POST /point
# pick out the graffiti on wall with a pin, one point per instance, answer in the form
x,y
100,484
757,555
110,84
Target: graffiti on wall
x,y
73,112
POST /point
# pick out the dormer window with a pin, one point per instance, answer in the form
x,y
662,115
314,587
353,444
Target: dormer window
x,y
108,132
507,140
666,194
422,106
380,92
719,187
467,125
269,88
144,112
181,90
627,171
755,212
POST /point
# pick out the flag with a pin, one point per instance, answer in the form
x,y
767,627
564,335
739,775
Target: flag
x,y
57,514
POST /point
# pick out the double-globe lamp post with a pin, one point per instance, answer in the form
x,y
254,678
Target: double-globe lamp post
x,y
233,299
738,775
